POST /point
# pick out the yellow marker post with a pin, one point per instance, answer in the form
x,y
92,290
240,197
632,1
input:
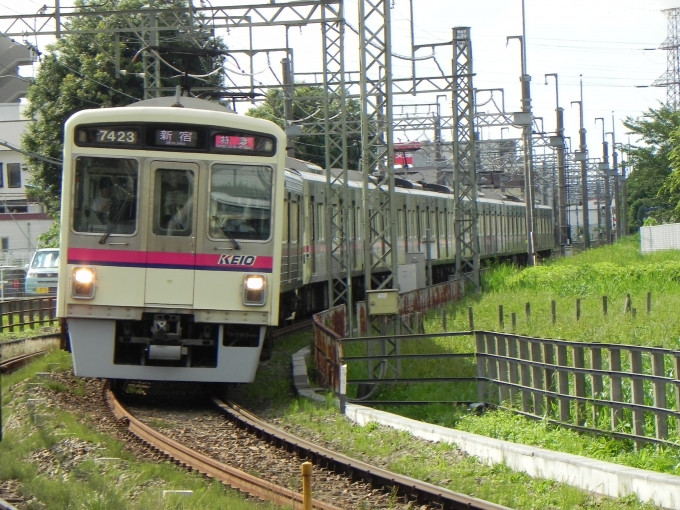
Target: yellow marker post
x,y
306,485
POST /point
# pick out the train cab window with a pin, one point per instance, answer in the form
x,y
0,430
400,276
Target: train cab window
x,y
240,202
173,202
105,196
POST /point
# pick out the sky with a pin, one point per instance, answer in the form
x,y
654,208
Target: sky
x,y
611,45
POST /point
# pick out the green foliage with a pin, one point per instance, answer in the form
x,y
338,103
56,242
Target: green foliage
x,y
308,105
79,72
650,222
648,190
49,475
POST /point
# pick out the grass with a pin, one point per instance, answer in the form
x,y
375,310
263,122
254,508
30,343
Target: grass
x,y
440,464
613,271
58,462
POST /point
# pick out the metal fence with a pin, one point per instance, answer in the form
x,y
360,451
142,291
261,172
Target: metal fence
x,y
625,391
22,314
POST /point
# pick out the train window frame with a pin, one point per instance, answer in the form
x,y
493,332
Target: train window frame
x,y
216,225
78,198
173,192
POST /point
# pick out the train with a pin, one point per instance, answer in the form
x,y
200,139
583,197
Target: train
x,y
187,234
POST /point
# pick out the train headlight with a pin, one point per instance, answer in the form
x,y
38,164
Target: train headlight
x,y
254,289
83,281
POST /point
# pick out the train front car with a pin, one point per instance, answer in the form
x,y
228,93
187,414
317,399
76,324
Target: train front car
x,y
171,240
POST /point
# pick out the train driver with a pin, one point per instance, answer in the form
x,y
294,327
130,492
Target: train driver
x,y
101,203
236,223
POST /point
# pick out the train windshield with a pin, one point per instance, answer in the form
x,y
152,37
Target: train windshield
x,y
240,201
105,196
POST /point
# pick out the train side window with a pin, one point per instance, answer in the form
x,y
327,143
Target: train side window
x,y
294,222
240,201
321,221
105,196
286,220
174,203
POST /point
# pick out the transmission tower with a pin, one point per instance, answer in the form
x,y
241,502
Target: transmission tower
x,y
464,174
671,78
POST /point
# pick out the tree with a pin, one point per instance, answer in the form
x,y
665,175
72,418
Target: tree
x,y
648,191
79,72
308,107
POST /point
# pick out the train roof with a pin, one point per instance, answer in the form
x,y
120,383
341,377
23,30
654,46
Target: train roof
x,y
183,102
311,172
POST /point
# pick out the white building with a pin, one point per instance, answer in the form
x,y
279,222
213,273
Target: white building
x,y
21,222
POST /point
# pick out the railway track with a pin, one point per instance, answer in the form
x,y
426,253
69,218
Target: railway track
x,y
336,475
16,362
187,457
402,486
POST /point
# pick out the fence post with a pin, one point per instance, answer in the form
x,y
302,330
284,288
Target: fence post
x,y
527,310
24,306
660,418
627,304
471,318
502,366
638,394
580,384
444,319
3,314
549,358
537,377
525,375
598,387
513,367
617,388
553,308
500,317
563,382
513,316
491,366
604,305
10,317
649,303
578,309
481,366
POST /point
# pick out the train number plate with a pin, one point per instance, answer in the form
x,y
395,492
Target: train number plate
x,y
42,290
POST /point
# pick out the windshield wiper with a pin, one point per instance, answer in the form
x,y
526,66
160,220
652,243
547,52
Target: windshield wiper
x,y
115,221
227,233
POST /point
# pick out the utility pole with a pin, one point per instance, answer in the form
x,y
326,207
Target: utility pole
x,y
288,93
438,142
582,156
528,152
561,174
604,168
617,189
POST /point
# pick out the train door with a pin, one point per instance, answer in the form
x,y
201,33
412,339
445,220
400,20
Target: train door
x,y
294,244
171,253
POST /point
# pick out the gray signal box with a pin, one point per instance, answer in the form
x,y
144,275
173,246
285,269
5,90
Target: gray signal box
x,y
383,302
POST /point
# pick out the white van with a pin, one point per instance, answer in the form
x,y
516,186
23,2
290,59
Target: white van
x,y
41,278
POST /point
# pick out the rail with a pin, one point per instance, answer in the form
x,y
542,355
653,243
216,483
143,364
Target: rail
x,y
20,314
399,485
226,474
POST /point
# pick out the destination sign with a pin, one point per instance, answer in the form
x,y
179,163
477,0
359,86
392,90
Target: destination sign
x,y
176,138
